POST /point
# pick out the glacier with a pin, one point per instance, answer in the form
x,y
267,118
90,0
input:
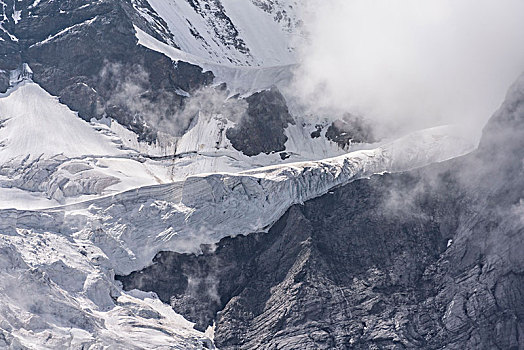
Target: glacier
x,y
79,205
68,255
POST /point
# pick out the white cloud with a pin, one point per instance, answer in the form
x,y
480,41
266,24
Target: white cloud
x,y
407,64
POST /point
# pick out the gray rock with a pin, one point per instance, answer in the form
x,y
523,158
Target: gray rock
x,y
350,129
428,259
261,129
86,53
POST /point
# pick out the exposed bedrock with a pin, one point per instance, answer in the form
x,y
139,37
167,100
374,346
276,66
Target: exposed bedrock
x,y
261,129
87,55
349,129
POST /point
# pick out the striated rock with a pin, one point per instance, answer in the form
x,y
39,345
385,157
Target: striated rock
x,y
427,259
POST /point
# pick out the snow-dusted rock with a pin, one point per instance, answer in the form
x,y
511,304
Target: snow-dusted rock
x,y
248,33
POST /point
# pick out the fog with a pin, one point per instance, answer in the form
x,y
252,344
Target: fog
x,y
131,90
408,64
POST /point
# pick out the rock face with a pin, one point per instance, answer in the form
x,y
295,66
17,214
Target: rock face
x,y
87,55
261,129
350,129
428,259
338,271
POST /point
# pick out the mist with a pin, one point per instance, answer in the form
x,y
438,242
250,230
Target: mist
x,y
411,64
131,91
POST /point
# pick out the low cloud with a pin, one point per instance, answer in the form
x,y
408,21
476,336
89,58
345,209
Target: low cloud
x,y
408,64
162,111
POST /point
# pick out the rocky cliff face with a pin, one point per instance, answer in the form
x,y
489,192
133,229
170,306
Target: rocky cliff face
x,y
261,128
87,55
428,259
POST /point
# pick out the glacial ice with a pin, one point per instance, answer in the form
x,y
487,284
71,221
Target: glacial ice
x,y
57,262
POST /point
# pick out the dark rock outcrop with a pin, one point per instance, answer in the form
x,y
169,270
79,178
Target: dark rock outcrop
x,y
350,129
261,129
86,53
428,259
10,58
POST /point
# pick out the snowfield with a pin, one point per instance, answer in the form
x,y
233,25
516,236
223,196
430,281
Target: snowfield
x,y
25,132
49,156
234,38
132,226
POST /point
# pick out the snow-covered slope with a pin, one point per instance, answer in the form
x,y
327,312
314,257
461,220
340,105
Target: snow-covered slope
x,y
133,226
34,125
50,156
55,293
239,79
248,33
